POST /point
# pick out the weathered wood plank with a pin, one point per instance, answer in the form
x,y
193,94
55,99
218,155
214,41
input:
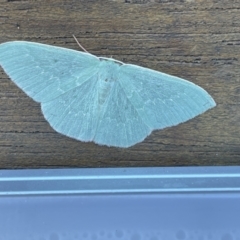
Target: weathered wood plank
x,y
195,40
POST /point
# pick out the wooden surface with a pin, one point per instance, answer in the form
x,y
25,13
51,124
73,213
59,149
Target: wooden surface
x,y
195,40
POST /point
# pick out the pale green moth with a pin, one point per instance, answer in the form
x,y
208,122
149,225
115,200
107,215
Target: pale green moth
x,y
100,99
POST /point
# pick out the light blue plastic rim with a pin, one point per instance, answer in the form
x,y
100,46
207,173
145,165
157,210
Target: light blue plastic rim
x,y
119,180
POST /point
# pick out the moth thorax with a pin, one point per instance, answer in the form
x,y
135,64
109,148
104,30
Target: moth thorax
x,y
109,71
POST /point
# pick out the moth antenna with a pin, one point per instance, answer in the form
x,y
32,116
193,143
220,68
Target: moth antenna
x,y
80,44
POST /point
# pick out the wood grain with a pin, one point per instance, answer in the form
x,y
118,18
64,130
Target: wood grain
x,y
195,40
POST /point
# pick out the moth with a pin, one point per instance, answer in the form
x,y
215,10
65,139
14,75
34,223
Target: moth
x,y
100,99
